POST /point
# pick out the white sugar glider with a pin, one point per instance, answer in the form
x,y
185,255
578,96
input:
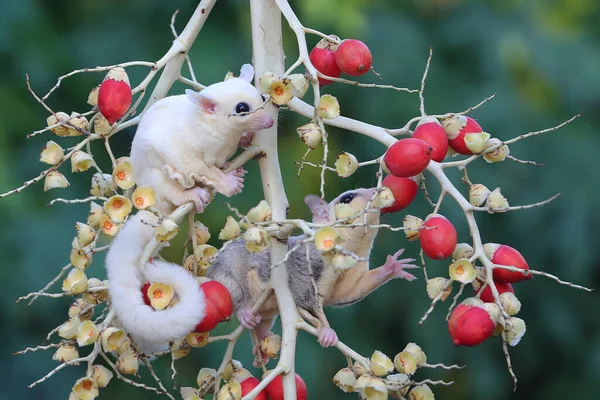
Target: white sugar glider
x,y
183,142
150,329
246,274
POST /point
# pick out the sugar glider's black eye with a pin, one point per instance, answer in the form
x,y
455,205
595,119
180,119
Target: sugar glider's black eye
x,y
242,108
347,198
262,96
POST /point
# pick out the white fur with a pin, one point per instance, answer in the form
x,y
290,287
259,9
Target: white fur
x,y
150,329
185,140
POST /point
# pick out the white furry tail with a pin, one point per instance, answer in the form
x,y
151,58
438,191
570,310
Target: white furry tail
x,y
150,329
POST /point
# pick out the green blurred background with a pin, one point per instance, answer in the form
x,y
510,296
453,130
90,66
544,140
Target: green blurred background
x,y
542,59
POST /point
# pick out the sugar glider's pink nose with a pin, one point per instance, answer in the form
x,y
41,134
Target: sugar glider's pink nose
x,y
264,121
268,121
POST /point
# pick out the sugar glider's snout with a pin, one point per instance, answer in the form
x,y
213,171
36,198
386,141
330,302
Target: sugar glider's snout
x,y
262,120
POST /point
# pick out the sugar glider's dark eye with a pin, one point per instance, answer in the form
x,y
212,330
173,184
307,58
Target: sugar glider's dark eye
x,y
347,198
242,108
262,96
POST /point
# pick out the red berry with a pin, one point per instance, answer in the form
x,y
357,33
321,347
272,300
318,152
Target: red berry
x,y
404,191
487,296
250,383
353,57
470,325
431,131
145,294
456,128
502,254
438,237
323,60
407,157
219,305
275,388
114,95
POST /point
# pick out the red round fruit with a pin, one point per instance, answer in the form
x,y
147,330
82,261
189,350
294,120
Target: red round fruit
x,y
275,388
407,157
432,132
487,296
250,383
438,237
456,128
114,99
353,57
470,325
145,294
323,59
404,191
219,305
506,255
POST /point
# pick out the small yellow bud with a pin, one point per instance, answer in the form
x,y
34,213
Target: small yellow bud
x,y
60,130
118,208
101,375
257,239
310,134
231,229
346,164
381,364
128,362
123,173
85,234
160,295
93,96
477,142
68,330
462,250
510,303
328,107
496,202
93,219
421,392
202,233
435,287
166,231
514,335
206,377
270,346
81,258
497,155
191,265
232,367
326,238
406,362
416,350
65,353
462,271
76,310
232,390
101,125
371,388
85,389
260,213
124,346
345,212
384,198
52,153
54,180
112,338
281,91
411,226
102,185
108,226
195,339
180,349
398,384
478,194
345,380
240,374
87,333
76,282
205,255
143,197
79,123
265,81
359,369
299,84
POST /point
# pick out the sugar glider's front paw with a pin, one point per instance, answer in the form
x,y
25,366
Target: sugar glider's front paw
x,y
247,318
395,268
327,337
200,197
233,184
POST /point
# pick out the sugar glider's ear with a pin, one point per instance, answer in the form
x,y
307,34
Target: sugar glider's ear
x,y
206,102
318,207
247,72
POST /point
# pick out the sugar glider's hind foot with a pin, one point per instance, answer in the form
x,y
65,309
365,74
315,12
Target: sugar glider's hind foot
x,y
327,337
200,197
233,183
247,318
